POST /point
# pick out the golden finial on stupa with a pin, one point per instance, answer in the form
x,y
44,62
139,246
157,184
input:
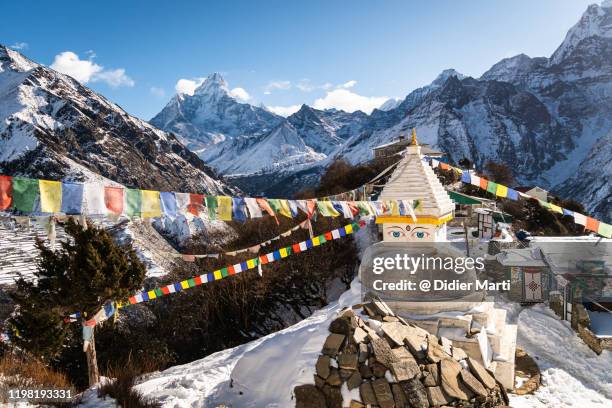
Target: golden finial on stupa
x,y
414,141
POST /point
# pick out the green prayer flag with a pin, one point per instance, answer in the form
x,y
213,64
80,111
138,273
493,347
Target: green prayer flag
x,y
224,272
275,204
133,200
191,282
25,194
211,204
491,187
158,292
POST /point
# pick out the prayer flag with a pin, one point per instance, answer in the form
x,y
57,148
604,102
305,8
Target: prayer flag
x,y
491,187
274,204
253,207
580,219
465,177
513,194
113,199
395,208
605,230
151,205
25,194
444,166
364,208
211,205
592,224
285,209
94,199
263,204
225,208
168,204
502,191
182,202
484,183
239,209
50,196
326,209
475,180
293,207
6,192
544,204
568,212
196,204
133,201
251,263
72,198
556,208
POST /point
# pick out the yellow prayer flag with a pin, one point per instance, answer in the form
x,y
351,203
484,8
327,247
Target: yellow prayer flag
x,y
556,209
184,284
224,208
151,294
217,274
394,207
349,229
50,196
283,252
284,208
316,241
251,263
150,206
502,191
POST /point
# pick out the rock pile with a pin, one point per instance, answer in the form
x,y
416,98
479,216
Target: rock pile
x,y
394,364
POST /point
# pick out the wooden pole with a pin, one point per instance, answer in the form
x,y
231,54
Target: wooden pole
x,y
92,361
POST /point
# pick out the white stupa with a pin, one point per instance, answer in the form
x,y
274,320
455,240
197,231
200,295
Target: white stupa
x,y
414,179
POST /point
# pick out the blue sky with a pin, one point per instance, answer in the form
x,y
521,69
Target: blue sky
x,y
280,53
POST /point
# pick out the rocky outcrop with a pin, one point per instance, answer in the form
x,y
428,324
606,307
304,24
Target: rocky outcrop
x,y
391,363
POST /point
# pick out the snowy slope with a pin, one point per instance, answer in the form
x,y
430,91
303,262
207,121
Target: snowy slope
x,y
264,372
53,127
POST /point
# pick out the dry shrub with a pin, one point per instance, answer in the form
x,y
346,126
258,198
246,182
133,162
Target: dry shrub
x,y
121,388
28,372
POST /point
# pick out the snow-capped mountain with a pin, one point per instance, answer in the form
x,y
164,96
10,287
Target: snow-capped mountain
x,y
548,118
211,115
389,104
53,127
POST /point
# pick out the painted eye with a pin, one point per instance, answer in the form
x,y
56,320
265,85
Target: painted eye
x,y
396,234
420,234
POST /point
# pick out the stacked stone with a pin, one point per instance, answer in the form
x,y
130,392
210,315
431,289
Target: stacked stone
x,y
394,365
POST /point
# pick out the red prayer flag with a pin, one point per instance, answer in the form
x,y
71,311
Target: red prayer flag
x,y
196,204
328,236
165,290
444,166
231,270
263,259
592,224
484,183
113,198
197,280
6,192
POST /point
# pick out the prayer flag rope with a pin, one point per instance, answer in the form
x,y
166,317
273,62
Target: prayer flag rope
x,y
499,190
110,308
33,196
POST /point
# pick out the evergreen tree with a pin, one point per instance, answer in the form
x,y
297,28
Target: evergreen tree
x,y
88,270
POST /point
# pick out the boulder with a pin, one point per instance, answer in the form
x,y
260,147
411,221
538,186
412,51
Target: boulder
x,y
322,366
368,397
332,344
309,396
481,373
416,394
384,396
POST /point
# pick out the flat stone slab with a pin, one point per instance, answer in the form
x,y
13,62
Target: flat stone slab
x,y
368,397
433,369
415,393
322,366
481,373
383,352
402,354
435,353
450,371
437,396
405,369
364,353
359,335
473,383
332,344
347,361
399,396
308,396
459,354
354,380
384,396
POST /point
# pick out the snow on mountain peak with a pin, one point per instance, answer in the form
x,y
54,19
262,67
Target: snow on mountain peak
x,y
595,22
214,86
444,75
15,60
389,104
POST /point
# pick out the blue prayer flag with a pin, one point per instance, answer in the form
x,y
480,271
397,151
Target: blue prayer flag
x,y
168,204
512,194
72,198
239,209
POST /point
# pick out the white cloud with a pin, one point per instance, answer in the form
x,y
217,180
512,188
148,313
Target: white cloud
x,y
85,71
348,84
188,86
240,93
157,91
273,85
284,110
20,46
348,101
